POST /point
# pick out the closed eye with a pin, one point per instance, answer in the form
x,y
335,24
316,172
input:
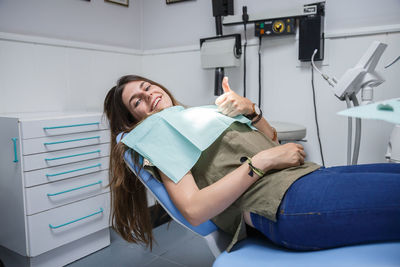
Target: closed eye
x,y
137,102
148,87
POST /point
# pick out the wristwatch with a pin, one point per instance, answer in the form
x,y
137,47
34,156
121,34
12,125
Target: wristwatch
x,y
256,112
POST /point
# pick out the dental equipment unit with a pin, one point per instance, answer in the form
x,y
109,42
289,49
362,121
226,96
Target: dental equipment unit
x,y
362,77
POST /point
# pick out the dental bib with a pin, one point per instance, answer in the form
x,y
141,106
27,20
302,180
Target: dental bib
x,y
174,138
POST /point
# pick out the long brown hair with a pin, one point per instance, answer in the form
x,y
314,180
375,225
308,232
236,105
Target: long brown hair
x,y
130,216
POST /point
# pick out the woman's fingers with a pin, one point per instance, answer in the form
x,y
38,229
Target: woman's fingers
x,y
302,155
226,107
223,105
226,88
221,99
300,146
233,113
225,85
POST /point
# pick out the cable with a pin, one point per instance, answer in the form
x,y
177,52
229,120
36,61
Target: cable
x,y
259,71
349,131
245,18
332,82
316,118
244,61
397,59
313,64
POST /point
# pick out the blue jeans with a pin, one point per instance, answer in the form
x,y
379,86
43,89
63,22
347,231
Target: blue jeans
x,y
338,206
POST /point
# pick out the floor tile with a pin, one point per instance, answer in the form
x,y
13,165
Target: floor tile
x,y
116,255
169,235
12,259
162,262
194,253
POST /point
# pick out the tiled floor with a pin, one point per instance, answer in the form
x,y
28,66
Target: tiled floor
x,y
175,247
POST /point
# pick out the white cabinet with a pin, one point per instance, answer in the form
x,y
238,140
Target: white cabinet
x,y
53,186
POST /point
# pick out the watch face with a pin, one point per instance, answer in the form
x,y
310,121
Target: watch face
x,y
257,109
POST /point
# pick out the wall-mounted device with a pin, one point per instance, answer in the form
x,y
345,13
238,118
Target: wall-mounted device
x,y
221,51
283,22
275,27
311,34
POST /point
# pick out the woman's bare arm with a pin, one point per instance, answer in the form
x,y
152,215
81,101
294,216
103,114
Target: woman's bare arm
x,y
264,127
198,206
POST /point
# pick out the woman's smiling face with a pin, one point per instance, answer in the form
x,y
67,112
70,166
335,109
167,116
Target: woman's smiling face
x,y
142,98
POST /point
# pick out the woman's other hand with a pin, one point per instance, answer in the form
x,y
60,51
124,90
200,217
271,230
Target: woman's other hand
x,y
232,104
280,157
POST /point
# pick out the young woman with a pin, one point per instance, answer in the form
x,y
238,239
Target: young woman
x,y
296,204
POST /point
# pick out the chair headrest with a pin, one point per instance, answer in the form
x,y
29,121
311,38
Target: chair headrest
x,y
119,137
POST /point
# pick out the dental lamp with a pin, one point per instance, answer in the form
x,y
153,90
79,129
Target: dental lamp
x,y
362,76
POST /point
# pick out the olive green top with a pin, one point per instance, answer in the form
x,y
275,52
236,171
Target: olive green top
x,y
263,197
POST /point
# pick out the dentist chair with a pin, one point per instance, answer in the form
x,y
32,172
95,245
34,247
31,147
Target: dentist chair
x,y
258,251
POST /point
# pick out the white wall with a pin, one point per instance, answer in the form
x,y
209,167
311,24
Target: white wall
x,y
96,21
351,14
37,76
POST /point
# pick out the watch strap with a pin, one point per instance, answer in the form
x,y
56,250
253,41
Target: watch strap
x,y
252,115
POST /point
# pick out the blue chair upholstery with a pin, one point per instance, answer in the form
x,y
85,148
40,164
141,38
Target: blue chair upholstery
x,y
258,251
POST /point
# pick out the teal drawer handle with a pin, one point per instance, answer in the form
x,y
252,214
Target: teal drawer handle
x,y
75,155
85,168
73,189
87,216
15,149
72,125
72,140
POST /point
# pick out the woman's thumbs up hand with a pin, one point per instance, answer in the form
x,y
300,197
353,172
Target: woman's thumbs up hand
x,y
232,104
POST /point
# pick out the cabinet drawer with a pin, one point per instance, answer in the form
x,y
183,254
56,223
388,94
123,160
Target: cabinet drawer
x,y
61,157
60,126
51,195
56,227
53,143
58,173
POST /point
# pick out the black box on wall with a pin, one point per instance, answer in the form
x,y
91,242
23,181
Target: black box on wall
x,y
311,37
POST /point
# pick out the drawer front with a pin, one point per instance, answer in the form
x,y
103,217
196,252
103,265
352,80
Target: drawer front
x,y
61,157
56,227
58,173
53,127
51,195
53,143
